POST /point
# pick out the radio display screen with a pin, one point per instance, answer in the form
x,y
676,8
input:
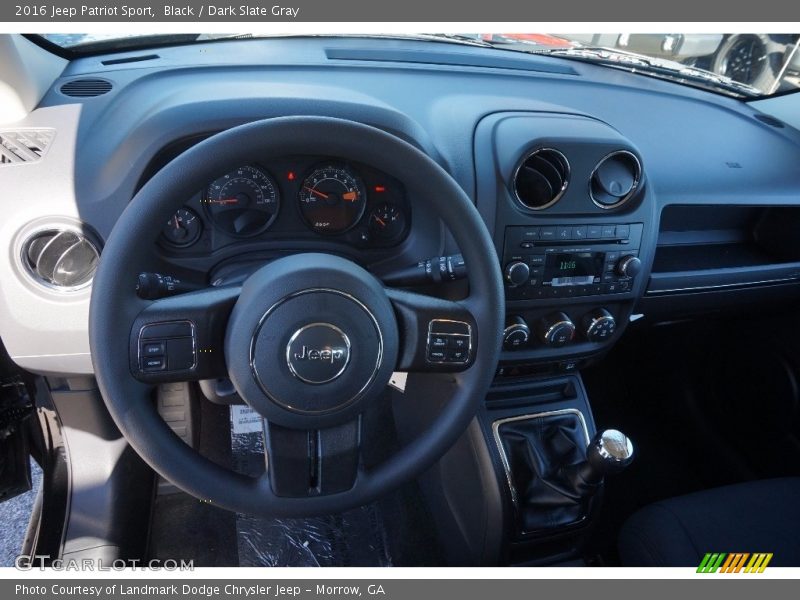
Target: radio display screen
x,y
573,268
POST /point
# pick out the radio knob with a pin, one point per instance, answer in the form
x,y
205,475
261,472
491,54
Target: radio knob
x,y
599,325
517,273
556,329
516,334
629,266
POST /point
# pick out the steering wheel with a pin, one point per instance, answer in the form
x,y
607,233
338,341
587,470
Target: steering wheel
x,y
308,340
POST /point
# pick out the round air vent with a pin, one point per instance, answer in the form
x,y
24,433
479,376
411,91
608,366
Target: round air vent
x,y
541,179
615,179
63,259
86,88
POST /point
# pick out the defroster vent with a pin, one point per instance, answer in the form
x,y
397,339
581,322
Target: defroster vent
x,y
24,145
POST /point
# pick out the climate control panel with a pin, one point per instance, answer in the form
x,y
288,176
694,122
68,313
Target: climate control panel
x,y
556,329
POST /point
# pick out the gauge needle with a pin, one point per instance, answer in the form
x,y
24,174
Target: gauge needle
x,y
350,196
226,201
177,223
379,220
317,192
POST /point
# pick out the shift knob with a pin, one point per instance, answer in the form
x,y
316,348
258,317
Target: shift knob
x,y
609,452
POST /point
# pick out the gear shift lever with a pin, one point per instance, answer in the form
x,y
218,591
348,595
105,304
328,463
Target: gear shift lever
x,y
554,475
609,452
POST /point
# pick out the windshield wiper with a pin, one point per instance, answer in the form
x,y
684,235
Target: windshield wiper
x,y
637,63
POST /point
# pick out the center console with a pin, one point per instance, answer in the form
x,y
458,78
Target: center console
x,y
575,227
544,265
574,224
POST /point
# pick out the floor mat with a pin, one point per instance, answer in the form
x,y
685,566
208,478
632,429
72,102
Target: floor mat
x,y
354,538
185,528
14,515
395,530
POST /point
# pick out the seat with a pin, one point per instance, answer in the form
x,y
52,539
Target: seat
x,y
757,516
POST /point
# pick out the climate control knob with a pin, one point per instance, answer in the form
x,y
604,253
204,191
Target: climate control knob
x,y
599,325
516,334
517,273
555,329
628,266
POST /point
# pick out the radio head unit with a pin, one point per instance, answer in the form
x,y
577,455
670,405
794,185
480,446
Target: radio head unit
x,y
570,261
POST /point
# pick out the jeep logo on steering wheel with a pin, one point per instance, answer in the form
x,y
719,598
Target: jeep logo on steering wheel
x,y
330,355
318,353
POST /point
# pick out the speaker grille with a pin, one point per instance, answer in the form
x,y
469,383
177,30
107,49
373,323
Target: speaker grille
x,y
86,88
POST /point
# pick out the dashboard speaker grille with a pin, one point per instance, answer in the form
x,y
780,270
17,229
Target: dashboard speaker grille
x,y
86,88
541,179
63,259
615,179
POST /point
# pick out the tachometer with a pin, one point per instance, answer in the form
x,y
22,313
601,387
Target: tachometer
x,y
332,199
244,202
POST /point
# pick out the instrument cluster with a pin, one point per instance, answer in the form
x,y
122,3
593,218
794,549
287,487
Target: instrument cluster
x,y
306,197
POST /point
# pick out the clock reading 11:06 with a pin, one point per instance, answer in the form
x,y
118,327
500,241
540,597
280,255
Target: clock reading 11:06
x,y
567,265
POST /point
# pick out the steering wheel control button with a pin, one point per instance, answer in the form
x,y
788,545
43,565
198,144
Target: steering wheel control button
x,y
167,330
449,342
458,342
318,353
180,354
150,349
168,346
153,364
437,356
439,341
457,356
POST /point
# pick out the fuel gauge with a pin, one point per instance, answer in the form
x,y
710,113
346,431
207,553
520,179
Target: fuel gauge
x,y
183,228
387,221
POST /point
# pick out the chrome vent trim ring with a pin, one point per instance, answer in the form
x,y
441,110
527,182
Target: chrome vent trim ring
x,y
552,170
60,258
637,179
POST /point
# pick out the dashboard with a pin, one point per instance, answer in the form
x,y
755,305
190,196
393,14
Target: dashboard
x,y
609,195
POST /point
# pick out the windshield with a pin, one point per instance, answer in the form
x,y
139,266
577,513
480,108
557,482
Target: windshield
x,y
742,64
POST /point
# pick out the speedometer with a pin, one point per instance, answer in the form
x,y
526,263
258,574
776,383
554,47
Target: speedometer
x,y
243,202
332,199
